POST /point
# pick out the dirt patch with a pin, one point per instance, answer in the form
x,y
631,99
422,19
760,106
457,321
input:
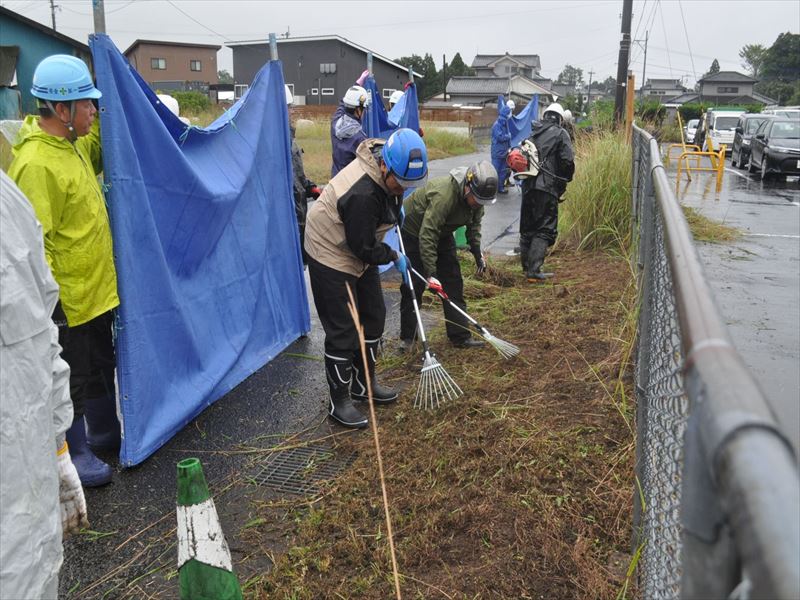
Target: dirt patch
x,y
521,488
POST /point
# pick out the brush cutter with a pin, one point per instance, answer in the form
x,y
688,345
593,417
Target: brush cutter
x,y
506,349
435,384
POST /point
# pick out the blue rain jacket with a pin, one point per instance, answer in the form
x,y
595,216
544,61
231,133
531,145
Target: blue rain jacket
x,y
501,137
346,135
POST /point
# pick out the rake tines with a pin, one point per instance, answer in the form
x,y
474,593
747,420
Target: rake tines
x,y
435,384
506,349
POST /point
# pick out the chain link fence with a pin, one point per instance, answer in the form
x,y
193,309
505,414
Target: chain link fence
x,y
707,445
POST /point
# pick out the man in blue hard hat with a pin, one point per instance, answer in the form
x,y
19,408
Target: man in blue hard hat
x,y
344,243
56,163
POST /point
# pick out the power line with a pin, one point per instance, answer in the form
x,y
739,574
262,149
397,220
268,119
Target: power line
x,y
666,42
644,9
688,44
187,15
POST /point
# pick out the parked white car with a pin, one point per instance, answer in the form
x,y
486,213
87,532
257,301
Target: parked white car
x,y
690,130
721,127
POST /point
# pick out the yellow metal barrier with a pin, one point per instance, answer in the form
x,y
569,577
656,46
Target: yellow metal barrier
x,y
717,165
683,145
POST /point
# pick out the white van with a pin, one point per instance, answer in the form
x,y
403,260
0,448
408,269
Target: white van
x,y
721,124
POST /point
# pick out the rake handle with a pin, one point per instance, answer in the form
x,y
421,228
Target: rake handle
x,y
413,295
451,303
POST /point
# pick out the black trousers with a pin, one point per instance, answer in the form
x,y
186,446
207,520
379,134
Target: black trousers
x,y
88,349
448,271
328,286
538,217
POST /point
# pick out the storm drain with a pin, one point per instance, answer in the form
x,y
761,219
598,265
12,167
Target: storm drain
x,y
302,470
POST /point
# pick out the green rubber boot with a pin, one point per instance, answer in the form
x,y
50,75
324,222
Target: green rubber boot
x,y
204,561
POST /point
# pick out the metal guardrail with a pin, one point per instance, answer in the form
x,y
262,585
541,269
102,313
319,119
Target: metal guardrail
x,y
717,511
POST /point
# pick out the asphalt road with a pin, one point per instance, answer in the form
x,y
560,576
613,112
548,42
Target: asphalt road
x,y
756,279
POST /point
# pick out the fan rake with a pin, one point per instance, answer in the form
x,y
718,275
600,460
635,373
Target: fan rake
x,y
506,349
435,384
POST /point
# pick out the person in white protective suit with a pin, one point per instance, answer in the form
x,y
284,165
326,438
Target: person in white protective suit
x,y
36,471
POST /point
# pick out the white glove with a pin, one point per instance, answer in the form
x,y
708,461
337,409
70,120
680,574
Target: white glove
x,y
70,494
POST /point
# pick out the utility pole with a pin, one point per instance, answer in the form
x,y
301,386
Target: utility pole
x,y
444,78
99,12
644,67
53,13
589,92
622,61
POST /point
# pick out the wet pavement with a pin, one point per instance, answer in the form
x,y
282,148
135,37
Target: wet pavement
x,y
756,279
136,512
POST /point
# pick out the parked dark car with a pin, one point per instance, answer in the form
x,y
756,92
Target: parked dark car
x,y
740,149
775,148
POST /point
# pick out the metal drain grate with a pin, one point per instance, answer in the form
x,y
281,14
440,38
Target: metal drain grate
x,y
302,470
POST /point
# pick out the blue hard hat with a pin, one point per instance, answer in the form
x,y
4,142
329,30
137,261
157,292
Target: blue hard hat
x,y
406,157
61,78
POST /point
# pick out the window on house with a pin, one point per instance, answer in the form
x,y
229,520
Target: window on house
x,y
727,90
327,68
158,64
239,89
315,91
195,65
387,92
328,91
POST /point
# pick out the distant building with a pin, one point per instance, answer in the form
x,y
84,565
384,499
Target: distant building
x,y
24,44
317,69
506,65
175,66
661,89
723,88
480,91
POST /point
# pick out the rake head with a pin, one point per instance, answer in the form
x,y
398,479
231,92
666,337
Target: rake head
x,y
435,385
506,349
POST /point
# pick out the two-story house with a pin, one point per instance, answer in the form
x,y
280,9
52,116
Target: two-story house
x,y
175,66
723,88
661,89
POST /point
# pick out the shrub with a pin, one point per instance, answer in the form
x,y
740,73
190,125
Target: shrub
x,y
192,102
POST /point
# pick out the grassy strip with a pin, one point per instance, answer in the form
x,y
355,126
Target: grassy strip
x,y
522,487
707,230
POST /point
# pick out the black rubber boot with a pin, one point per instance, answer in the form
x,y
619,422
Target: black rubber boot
x,y
92,471
358,391
102,424
340,373
536,254
524,246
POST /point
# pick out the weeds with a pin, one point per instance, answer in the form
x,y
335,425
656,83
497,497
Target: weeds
x,y
596,213
707,230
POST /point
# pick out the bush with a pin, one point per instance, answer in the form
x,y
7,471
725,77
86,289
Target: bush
x,y
596,213
651,110
192,102
691,110
602,114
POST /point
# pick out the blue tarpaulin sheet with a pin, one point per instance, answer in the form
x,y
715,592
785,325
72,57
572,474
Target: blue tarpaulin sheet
x,y
206,245
520,125
380,124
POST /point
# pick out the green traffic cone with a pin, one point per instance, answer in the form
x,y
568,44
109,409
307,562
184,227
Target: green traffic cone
x,y
204,561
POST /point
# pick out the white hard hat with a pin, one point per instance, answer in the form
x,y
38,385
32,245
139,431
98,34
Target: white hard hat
x,y
568,115
171,103
356,96
510,104
288,92
395,97
555,107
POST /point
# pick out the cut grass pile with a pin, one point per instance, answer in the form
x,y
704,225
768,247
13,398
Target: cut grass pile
x,y
519,489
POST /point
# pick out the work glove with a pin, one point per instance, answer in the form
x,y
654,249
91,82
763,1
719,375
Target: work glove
x,y
70,494
360,81
314,192
401,264
435,286
408,85
480,261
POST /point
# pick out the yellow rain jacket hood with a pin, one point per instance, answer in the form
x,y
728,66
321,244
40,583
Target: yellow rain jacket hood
x,y
60,180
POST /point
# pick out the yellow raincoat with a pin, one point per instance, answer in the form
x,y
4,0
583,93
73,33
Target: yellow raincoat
x,y
60,180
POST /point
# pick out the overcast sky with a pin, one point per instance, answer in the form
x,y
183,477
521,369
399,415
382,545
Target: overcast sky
x,y
684,35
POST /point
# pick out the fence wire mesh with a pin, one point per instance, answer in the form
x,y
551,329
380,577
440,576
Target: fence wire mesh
x,y
662,403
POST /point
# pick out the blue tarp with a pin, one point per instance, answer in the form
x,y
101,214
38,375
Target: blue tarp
x,y
206,246
520,125
380,124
